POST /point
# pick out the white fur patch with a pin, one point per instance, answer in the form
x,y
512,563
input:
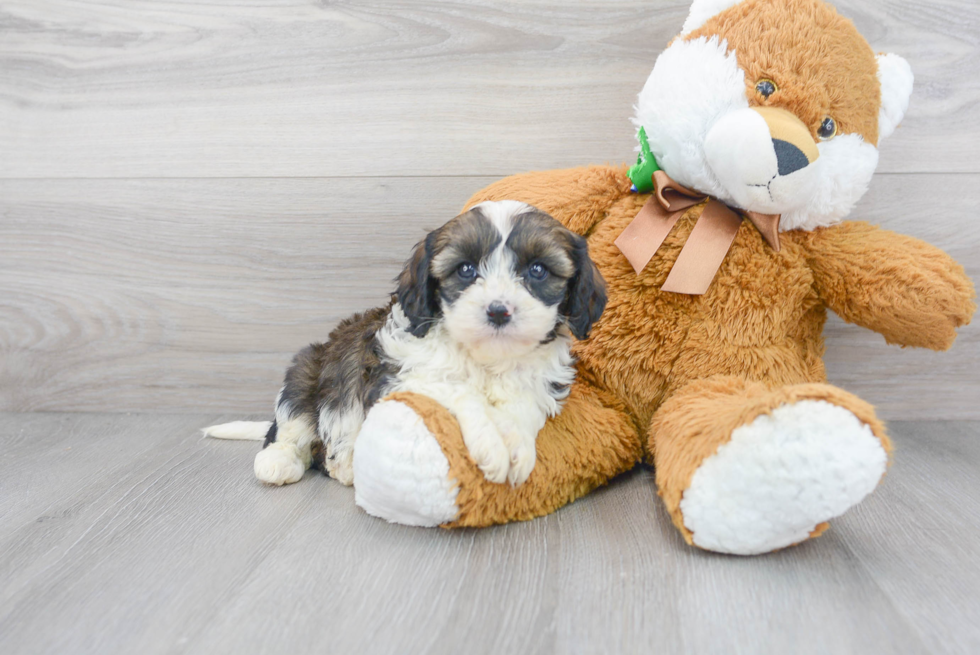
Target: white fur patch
x,y
739,151
245,430
400,472
841,177
702,10
501,213
286,459
896,79
780,476
693,84
280,463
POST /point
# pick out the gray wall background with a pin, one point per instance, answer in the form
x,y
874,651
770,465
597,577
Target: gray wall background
x,y
190,192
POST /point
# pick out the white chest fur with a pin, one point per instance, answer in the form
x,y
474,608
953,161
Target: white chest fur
x,y
500,405
437,361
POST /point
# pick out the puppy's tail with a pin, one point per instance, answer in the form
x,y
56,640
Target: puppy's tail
x,y
244,430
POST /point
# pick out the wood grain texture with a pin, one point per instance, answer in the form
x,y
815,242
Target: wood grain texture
x,y
169,294
190,295
130,534
165,88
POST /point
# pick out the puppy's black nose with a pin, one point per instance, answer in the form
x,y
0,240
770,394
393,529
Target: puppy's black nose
x,y
498,314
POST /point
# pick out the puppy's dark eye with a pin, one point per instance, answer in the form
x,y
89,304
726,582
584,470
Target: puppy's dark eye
x,y
466,270
827,129
766,88
537,271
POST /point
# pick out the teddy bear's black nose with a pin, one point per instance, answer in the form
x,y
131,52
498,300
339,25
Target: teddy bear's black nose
x,y
789,158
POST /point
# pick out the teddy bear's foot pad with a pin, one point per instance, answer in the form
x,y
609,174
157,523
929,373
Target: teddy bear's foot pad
x,y
780,477
400,471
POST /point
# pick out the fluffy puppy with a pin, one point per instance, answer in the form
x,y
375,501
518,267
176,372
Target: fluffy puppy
x,y
482,322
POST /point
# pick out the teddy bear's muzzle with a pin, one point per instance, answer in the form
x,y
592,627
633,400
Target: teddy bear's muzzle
x,y
764,158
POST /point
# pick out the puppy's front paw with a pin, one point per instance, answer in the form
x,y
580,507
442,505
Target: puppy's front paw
x,y
522,458
520,445
488,450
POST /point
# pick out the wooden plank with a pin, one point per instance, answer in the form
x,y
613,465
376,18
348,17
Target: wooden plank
x,y
918,532
113,88
190,295
140,548
623,552
193,294
73,449
607,574
172,546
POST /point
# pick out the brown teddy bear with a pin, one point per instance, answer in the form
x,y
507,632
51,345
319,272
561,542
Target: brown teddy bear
x,y
760,124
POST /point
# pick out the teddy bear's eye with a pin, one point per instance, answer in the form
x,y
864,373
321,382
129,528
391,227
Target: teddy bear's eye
x,y
766,88
827,129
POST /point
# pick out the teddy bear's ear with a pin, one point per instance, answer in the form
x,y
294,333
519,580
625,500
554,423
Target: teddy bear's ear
x,y
895,76
702,10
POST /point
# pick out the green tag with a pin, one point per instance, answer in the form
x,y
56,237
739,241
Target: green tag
x,y
641,173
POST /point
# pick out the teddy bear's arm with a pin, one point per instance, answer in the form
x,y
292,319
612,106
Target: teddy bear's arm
x,y
578,197
422,473
912,293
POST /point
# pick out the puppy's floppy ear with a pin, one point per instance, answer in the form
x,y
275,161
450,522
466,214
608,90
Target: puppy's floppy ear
x,y
586,295
417,288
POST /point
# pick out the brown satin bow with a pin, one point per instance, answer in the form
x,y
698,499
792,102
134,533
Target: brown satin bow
x,y
707,244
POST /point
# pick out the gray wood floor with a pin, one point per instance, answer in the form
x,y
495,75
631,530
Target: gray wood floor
x,y
129,534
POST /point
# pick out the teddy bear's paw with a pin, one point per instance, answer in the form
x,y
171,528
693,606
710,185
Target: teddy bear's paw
x,y
400,471
279,463
780,477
